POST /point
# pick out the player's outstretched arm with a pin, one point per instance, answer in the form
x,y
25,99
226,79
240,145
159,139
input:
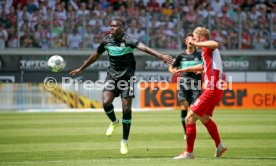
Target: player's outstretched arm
x,y
196,68
92,58
209,43
166,58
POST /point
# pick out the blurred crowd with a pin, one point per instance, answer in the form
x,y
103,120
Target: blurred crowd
x,y
81,24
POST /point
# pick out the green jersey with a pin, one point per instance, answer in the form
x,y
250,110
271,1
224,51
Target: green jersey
x,y
120,53
184,60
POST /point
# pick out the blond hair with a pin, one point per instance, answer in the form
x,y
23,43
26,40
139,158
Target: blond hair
x,y
202,31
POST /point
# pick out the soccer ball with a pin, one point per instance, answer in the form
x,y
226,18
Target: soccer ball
x,y
56,63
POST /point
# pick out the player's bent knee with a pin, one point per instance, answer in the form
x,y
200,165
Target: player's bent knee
x,y
191,118
204,119
126,109
106,103
184,105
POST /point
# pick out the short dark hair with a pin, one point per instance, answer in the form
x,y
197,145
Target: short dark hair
x,y
189,34
120,21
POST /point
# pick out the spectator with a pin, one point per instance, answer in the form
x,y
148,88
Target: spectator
x,y
132,10
217,6
13,40
254,13
33,19
258,42
96,41
91,5
57,43
104,4
12,17
153,6
57,29
3,36
5,21
60,14
105,28
191,17
165,15
74,40
42,10
27,40
247,5
167,8
82,11
88,42
246,40
32,6
232,42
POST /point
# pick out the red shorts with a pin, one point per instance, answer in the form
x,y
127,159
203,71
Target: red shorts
x,y
206,102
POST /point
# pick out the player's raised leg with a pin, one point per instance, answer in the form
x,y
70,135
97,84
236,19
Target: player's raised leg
x,y
108,98
126,121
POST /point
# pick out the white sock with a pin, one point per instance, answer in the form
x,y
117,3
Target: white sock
x,y
124,140
116,121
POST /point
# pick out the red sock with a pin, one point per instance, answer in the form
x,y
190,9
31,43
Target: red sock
x,y
190,137
213,131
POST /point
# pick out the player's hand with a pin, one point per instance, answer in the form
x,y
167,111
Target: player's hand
x,y
167,59
75,72
190,41
173,71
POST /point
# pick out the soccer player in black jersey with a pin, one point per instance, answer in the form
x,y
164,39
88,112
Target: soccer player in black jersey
x,y
120,47
189,83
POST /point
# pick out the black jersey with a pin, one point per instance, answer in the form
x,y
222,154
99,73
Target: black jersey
x,y
184,60
120,53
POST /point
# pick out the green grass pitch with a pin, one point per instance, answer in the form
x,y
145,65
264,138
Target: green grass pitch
x,y
79,139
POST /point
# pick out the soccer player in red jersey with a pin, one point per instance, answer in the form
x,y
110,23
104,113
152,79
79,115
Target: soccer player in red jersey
x,y
203,107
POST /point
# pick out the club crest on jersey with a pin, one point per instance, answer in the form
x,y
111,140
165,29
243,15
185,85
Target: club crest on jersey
x,y
123,44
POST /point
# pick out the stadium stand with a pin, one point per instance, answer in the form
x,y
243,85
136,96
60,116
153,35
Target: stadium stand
x,y
80,24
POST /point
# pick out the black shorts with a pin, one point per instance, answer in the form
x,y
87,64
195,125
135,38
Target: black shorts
x,y
188,92
121,86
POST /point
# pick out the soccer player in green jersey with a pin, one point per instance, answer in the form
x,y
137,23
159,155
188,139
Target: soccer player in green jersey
x,y
189,83
120,47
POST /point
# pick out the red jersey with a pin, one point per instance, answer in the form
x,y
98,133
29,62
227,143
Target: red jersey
x,y
212,94
213,71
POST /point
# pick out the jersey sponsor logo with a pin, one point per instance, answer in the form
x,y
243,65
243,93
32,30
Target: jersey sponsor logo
x,y
184,64
118,51
123,44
